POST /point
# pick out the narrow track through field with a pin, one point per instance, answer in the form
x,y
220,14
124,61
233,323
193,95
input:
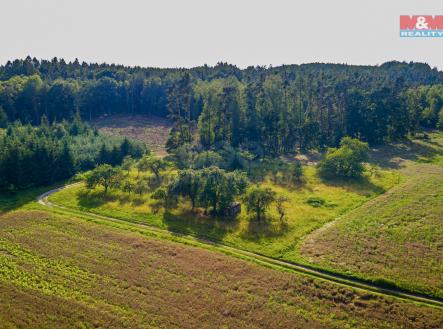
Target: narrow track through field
x,y
258,258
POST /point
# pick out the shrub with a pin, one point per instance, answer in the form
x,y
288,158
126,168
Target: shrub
x,y
316,202
345,161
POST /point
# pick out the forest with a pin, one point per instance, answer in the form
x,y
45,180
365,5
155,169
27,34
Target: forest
x,y
34,156
276,110
240,114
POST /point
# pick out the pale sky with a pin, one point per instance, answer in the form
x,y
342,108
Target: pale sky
x,y
187,33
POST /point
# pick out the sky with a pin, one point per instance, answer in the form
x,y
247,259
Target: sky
x,y
188,33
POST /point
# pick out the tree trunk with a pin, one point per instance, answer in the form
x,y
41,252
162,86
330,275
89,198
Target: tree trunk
x,y
214,205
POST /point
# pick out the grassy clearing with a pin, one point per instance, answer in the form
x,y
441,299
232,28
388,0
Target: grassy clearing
x,y
397,237
65,272
271,237
151,130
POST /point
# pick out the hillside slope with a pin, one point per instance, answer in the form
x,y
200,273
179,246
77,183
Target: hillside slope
x,y
64,272
395,238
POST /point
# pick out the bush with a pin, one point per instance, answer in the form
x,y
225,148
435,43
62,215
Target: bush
x,y
345,161
316,202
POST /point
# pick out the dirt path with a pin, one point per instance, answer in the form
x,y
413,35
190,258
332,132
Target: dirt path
x,y
258,258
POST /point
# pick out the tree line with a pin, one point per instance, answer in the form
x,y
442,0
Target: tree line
x,y
33,156
277,110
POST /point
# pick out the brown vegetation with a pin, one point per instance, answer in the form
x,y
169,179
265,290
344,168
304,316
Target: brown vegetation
x,y
58,272
151,130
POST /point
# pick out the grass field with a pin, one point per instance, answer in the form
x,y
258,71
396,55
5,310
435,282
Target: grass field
x,y
271,237
59,272
151,130
397,237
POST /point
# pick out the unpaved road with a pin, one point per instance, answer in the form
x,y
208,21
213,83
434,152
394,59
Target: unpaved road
x,y
261,259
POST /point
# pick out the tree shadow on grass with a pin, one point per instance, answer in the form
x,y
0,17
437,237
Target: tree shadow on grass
x,y
361,186
124,199
392,156
266,228
197,225
12,201
88,199
137,201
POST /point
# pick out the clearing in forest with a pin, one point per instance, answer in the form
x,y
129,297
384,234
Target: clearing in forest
x,y
151,130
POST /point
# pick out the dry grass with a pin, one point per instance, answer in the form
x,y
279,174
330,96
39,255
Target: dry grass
x,y
58,272
151,130
397,237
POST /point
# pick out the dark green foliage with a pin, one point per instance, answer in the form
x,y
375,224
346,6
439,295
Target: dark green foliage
x,y
235,159
219,188
3,118
440,120
279,110
425,106
188,184
258,199
345,161
178,136
316,202
180,110
32,156
127,186
296,172
183,156
207,159
160,194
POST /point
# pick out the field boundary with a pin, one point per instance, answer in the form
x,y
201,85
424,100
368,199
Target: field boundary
x,y
267,261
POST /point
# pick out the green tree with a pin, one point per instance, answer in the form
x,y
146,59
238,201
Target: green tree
x,y
154,164
258,199
128,186
207,159
65,163
141,186
440,120
188,184
104,175
296,172
219,188
280,205
3,118
345,161
179,108
128,163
